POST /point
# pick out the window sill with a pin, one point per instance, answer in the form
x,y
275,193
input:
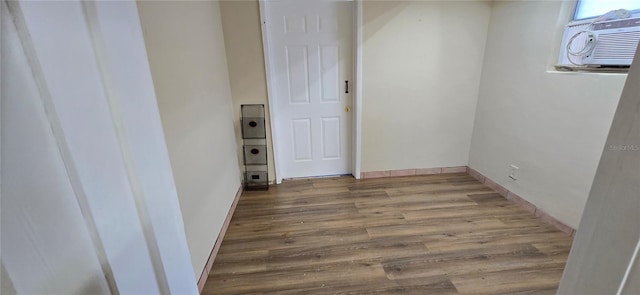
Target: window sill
x,y
589,70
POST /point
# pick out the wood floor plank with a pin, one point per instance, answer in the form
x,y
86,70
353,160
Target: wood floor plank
x,y
431,227
511,256
299,276
545,242
240,262
526,281
289,239
320,198
406,182
413,202
433,234
281,258
436,285
463,210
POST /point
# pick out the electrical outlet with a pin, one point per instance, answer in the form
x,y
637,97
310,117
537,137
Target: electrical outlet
x,y
513,172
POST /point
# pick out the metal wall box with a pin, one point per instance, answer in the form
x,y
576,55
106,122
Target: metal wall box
x,y
255,155
253,128
252,110
254,137
256,180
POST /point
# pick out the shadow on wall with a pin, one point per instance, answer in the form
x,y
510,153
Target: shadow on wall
x,y
246,66
378,14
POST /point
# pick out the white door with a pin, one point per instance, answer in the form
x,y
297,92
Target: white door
x,y
310,48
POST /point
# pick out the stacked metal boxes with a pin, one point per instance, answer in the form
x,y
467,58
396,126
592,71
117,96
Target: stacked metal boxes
x,y
254,137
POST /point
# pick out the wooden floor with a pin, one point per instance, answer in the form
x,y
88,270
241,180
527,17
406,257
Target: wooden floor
x,y
438,234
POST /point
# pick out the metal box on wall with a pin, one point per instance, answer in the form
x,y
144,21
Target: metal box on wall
x,y
256,176
253,128
255,155
252,110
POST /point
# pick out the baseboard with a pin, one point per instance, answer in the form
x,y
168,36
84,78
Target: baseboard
x,y
216,246
411,172
511,196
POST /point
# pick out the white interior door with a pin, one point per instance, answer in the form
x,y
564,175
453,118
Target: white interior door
x,y
310,56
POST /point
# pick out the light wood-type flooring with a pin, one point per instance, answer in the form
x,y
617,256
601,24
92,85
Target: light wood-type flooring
x,y
436,234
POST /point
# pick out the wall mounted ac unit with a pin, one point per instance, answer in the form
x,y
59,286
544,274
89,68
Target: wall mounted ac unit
x,y
607,43
615,42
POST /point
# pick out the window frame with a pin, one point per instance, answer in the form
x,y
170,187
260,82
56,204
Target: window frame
x,y
575,12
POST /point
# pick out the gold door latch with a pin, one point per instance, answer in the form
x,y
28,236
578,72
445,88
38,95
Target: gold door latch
x,y
347,109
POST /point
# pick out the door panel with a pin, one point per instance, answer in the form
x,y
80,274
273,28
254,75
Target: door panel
x,y
311,58
302,139
297,72
331,138
330,74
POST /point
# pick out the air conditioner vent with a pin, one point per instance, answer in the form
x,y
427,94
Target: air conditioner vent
x,y
620,45
616,42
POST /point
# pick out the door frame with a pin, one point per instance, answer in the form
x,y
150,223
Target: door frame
x,y
356,103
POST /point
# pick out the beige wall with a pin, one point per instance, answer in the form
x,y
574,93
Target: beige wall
x,y
417,63
551,125
421,70
187,57
243,41
603,250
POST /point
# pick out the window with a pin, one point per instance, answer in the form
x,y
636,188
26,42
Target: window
x,y
595,8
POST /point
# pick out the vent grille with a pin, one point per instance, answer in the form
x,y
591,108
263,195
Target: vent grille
x,y
616,45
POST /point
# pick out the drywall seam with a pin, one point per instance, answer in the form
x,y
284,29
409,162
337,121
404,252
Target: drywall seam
x,y
61,142
91,18
216,246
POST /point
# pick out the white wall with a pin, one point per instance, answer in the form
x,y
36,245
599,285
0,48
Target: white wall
x,y
186,52
122,58
421,70
42,224
88,200
603,250
551,125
